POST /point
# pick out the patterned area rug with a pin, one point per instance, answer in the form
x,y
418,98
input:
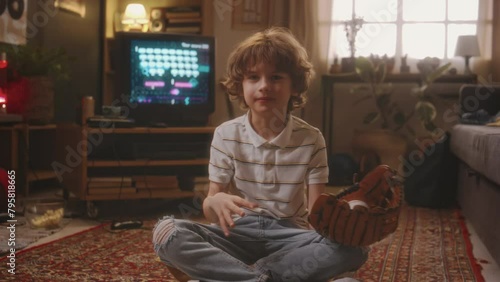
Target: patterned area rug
x,y
97,254
429,245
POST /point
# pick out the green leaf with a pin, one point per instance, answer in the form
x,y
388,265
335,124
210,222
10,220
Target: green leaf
x,y
364,68
29,60
437,73
426,111
363,64
383,100
380,73
418,90
399,118
371,118
429,126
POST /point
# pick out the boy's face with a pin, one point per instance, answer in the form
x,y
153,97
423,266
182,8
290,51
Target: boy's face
x,y
266,89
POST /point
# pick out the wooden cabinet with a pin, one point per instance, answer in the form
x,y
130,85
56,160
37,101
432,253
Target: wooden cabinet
x,y
29,150
85,153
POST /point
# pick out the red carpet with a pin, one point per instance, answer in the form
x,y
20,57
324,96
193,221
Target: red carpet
x,y
429,245
98,254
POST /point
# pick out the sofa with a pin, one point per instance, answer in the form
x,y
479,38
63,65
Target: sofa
x,y
477,147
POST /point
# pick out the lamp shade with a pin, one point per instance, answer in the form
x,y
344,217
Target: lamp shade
x,y
135,14
467,46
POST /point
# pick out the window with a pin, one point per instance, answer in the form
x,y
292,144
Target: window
x,y
417,28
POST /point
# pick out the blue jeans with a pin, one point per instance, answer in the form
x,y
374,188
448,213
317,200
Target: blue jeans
x,y
258,248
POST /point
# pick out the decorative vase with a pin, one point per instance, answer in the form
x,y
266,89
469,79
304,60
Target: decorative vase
x,y
348,64
388,145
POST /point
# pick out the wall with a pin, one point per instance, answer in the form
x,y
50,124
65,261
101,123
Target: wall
x,y
227,39
81,38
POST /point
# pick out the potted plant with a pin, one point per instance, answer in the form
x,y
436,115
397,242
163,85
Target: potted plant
x,y
32,73
390,112
423,161
396,133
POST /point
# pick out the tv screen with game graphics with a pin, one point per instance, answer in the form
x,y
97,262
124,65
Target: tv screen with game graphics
x,y
166,78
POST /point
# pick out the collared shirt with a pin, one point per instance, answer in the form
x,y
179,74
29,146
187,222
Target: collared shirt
x,y
272,173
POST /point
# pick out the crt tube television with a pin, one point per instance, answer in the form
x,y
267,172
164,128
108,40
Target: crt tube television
x,y
164,78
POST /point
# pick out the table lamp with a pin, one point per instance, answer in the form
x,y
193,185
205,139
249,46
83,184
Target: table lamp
x,y
467,47
135,17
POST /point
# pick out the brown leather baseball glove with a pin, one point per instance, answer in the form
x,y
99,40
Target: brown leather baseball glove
x,y
362,214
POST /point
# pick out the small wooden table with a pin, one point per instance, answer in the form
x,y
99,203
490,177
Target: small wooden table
x,y
26,153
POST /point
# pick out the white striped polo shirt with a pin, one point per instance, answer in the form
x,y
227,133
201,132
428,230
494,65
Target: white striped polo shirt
x,y
273,173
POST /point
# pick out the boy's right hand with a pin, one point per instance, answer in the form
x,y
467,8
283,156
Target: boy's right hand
x,y
220,207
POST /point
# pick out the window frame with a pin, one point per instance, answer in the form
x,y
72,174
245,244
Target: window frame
x,y
399,22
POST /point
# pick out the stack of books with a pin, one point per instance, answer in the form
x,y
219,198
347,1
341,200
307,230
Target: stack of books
x,y
110,185
182,19
155,185
156,182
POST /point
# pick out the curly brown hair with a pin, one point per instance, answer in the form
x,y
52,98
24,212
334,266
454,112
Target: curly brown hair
x,y
275,45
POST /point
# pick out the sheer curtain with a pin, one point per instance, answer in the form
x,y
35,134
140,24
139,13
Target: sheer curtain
x,y
482,65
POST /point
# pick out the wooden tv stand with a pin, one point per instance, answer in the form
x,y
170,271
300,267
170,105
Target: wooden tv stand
x,y
85,153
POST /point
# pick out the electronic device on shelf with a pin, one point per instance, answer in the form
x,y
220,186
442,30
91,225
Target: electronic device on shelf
x,y
165,78
110,122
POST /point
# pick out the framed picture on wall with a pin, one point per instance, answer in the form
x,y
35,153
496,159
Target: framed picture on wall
x,y
250,14
74,6
13,21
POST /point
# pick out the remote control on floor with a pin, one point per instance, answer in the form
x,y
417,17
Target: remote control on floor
x,y
129,224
